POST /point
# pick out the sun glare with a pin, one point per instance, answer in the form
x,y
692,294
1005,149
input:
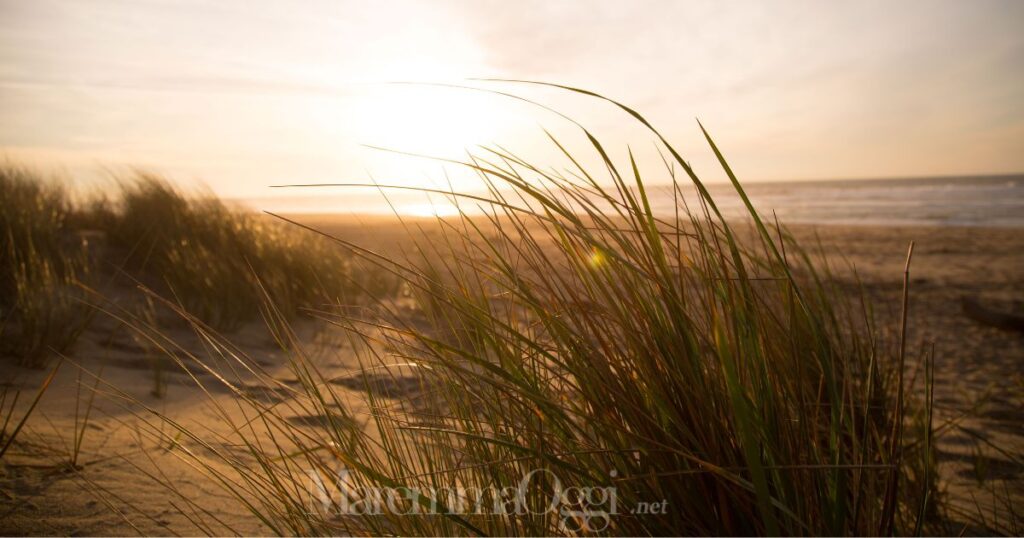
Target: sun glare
x,y
443,209
424,119
404,100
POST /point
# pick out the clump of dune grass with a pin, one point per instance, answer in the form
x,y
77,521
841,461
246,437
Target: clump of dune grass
x,y
42,265
215,259
211,258
668,360
575,337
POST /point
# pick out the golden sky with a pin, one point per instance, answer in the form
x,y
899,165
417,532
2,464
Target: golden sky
x,y
243,95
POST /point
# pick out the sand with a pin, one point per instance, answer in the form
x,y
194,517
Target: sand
x,y
979,381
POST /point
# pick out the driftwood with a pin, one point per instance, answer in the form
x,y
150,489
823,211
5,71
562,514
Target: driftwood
x,y
976,311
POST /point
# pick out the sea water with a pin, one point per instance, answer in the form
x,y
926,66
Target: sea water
x,y
996,201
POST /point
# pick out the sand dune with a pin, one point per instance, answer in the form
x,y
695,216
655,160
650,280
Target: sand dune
x,y
979,380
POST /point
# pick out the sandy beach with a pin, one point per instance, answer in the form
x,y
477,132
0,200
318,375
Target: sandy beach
x,y
511,269
979,379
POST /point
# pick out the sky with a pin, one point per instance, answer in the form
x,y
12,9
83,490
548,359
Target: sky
x,y
244,95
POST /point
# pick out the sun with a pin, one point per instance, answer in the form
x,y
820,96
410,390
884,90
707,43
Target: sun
x,y
431,120
443,209
412,96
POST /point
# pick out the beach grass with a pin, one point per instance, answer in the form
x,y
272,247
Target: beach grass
x,y
572,338
60,255
215,259
42,269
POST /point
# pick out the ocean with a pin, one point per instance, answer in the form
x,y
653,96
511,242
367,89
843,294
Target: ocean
x,y
996,201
